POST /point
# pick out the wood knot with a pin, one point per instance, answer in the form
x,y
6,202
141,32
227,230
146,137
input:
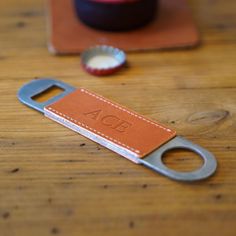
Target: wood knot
x,y
15,170
5,215
206,117
55,230
131,224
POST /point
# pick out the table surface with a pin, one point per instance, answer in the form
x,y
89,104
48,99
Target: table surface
x,y
55,182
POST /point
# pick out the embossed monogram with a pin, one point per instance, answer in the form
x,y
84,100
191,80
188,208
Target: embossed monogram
x,y
111,121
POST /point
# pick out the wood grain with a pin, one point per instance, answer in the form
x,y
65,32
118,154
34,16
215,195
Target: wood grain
x,y
55,182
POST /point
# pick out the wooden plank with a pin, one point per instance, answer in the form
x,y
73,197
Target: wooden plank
x,y
55,182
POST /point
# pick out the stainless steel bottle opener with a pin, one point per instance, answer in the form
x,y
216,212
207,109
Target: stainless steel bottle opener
x,y
125,132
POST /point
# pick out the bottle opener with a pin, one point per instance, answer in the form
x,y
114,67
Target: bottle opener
x,y
115,127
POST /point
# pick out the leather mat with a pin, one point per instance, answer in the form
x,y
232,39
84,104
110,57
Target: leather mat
x,y
173,28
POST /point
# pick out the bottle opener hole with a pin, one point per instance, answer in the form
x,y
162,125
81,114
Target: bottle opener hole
x,y
182,160
47,94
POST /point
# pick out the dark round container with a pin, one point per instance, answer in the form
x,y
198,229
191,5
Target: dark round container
x,y
116,15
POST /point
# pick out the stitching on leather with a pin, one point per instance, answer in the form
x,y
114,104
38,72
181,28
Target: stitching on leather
x,y
122,109
87,127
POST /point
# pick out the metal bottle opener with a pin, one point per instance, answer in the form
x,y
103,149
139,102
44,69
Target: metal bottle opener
x,y
121,130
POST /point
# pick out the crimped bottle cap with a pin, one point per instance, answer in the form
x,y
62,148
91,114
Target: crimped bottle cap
x,y
103,60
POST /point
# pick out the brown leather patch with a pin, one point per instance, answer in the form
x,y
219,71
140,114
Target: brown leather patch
x,y
173,27
109,124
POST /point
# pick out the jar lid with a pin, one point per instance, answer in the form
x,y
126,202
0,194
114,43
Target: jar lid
x,y
102,60
114,1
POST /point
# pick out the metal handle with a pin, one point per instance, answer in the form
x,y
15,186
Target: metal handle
x,y
154,161
35,87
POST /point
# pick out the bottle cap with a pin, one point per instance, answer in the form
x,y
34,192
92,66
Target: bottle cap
x,y
103,60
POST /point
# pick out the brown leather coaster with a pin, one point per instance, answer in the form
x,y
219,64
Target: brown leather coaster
x,y
173,28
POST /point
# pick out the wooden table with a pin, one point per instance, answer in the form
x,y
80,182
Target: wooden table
x,y
55,182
